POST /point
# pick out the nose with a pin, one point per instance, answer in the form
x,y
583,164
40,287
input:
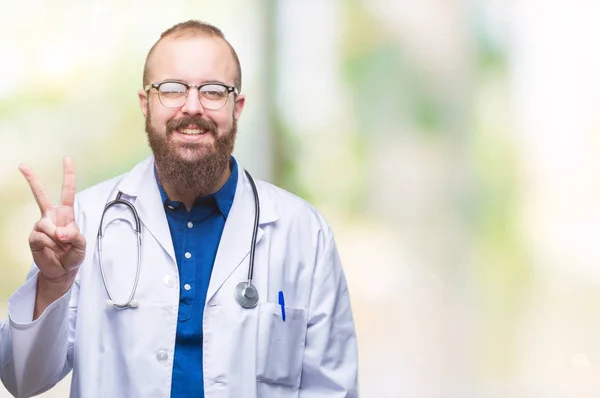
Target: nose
x,y
192,105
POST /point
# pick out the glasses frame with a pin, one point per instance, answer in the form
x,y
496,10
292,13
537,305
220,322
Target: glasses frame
x,y
156,86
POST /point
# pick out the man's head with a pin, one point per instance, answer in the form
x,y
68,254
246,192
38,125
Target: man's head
x,y
191,103
190,29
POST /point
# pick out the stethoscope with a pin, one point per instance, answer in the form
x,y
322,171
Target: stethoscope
x,y
246,293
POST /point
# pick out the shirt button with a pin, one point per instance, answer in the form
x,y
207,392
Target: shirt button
x,y
190,224
169,281
171,207
188,255
187,286
162,355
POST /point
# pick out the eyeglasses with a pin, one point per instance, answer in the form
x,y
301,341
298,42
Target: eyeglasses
x,y
173,94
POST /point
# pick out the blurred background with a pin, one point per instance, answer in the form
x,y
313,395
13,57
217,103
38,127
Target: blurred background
x,y
453,145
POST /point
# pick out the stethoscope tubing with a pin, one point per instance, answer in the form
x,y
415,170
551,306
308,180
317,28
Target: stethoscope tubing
x,y
254,229
138,232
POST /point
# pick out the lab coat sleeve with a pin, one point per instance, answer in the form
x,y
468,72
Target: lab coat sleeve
x,y
36,354
330,364
5,351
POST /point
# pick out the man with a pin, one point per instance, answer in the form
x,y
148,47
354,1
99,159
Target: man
x,y
188,313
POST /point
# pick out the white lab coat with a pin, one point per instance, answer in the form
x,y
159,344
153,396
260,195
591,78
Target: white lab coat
x,y
247,352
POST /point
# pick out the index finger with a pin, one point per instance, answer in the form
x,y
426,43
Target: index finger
x,y
68,187
39,193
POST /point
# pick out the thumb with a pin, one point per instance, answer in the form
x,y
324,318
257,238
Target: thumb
x,y
70,235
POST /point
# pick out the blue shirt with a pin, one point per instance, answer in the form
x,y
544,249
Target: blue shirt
x,y
196,235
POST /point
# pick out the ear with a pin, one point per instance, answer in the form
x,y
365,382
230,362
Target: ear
x,y
143,97
239,106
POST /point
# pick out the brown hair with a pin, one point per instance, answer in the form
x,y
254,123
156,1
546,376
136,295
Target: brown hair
x,y
194,28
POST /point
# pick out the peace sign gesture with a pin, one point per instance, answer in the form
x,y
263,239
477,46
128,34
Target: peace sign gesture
x,y
57,245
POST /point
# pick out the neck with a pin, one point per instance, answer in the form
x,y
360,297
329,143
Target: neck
x,y
188,196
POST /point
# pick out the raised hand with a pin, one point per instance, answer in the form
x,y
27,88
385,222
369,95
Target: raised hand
x,y
57,245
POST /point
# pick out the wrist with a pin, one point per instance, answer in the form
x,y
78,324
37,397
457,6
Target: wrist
x,y
65,279
59,285
51,289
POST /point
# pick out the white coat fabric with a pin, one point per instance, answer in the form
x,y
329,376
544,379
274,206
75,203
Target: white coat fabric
x,y
247,352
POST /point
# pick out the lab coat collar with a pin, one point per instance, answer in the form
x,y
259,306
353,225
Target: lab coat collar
x,y
140,188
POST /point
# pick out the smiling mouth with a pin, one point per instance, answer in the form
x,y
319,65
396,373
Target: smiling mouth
x,y
192,131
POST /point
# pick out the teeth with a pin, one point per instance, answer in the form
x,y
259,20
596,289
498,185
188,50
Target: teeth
x,y
192,131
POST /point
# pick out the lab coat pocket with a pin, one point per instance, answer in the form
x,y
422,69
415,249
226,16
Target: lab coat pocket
x,y
280,345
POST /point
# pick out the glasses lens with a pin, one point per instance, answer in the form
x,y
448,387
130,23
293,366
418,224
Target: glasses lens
x,y
213,96
172,94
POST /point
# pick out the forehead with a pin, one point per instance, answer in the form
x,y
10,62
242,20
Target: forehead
x,y
193,59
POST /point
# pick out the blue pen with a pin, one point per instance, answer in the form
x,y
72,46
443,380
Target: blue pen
x,y
282,304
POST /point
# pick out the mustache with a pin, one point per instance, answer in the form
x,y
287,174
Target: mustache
x,y
176,124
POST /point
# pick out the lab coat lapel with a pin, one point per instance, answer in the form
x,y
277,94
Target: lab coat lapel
x,y
140,185
236,239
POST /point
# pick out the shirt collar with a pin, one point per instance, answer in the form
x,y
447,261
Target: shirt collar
x,y
223,197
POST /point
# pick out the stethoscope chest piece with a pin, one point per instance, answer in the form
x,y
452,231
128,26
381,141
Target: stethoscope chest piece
x,y
246,294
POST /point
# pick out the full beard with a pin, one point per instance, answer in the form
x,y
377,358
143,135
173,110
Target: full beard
x,y
200,172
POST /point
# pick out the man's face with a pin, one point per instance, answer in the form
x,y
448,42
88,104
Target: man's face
x,y
191,136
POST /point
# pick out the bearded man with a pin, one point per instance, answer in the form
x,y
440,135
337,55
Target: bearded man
x,y
182,277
